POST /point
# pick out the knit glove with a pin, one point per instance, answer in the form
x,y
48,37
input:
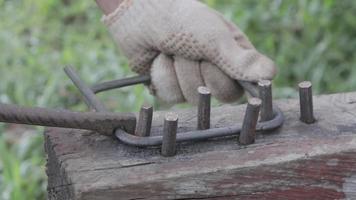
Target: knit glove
x,y
184,44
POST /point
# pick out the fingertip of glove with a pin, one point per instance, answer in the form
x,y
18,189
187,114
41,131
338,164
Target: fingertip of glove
x,y
262,69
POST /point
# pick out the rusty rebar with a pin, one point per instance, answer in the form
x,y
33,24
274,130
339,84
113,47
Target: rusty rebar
x,y
248,131
169,135
92,101
200,135
204,106
109,85
265,93
89,97
104,123
306,102
144,123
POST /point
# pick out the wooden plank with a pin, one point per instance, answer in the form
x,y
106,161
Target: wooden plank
x,y
297,161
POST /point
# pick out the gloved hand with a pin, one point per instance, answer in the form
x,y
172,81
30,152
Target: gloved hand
x,y
184,44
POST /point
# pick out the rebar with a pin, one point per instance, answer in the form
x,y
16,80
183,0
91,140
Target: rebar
x,y
265,94
144,123
89,97
248,131
109,85
306,102
204,107
169,135
104,123
200,135
123,123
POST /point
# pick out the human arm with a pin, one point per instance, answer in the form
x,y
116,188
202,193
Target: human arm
x,y
183,44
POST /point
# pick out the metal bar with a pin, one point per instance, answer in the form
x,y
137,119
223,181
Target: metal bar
x,y
249,87
90,99
265,93
248,131
123,123
109,85
145,79
200,135
306,102
204,107
169,135
144,123
104,123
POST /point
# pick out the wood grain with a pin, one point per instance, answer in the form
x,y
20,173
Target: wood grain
x,y
297,161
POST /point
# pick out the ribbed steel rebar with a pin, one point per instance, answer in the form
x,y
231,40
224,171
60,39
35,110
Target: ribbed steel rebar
x,y
104,123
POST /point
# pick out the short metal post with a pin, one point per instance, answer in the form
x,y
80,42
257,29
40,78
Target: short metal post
x,y
143,128
306,102
265,92
248,131
204,108
169,135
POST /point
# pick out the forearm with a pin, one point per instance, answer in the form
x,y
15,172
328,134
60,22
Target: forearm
x,y
108,6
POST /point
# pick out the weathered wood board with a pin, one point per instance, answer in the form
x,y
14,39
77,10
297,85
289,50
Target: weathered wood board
x,y
297,161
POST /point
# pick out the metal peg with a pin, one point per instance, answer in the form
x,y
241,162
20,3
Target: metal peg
x,y
306,102
143,128
265,92
169,135
204,108
248,131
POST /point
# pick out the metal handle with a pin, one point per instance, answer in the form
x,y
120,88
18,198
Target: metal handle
x,y
104,123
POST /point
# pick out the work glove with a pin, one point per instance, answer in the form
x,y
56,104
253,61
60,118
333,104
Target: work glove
x,y
183,44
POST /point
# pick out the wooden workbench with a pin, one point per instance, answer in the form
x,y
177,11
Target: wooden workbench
x,y
297,161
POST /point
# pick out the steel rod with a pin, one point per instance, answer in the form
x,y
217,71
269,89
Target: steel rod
x,y
104,123
200,135
143,128
90,99
123,123
249,87
265,93
110,85
248,131
204,106
169,135
306,102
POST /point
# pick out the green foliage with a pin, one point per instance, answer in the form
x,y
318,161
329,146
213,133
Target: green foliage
x,y
37,39
22,175
309,40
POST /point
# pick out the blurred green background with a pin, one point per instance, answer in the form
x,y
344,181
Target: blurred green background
x,y
309,40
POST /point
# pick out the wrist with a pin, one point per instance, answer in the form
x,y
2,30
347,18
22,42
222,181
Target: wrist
x,y
108,6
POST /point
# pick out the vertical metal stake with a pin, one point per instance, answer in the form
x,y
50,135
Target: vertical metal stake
x,y
143,128
248,131
204,108
265,92
169,135
306,102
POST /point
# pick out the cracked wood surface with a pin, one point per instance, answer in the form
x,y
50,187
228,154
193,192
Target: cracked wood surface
x,y
297,161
